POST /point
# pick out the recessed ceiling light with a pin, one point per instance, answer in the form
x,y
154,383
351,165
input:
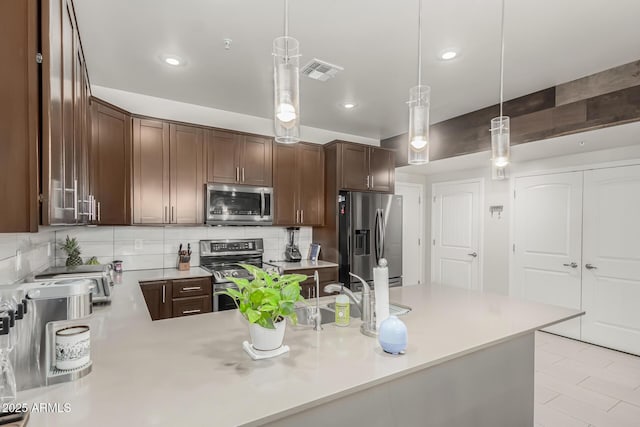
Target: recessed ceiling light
x,y
448,55
349,105
172,60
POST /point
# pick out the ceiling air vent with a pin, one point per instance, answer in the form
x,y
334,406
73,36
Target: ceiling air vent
x,y
320,70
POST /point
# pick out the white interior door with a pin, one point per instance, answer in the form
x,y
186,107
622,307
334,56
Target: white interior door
x,y
611,260
412,220
548,238
455,230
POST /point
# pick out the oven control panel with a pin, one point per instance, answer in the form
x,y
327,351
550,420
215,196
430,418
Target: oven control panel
x,y
230,246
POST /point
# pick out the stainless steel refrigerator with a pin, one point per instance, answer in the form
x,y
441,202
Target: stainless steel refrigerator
x,y
370,228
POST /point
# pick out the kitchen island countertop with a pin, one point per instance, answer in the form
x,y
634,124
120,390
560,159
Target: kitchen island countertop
x,y
193,371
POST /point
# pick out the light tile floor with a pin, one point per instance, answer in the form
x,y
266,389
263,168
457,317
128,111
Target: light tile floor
x,y
579,384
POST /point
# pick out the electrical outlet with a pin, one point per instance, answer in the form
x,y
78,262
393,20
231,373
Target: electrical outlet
x,y
138,244
18,260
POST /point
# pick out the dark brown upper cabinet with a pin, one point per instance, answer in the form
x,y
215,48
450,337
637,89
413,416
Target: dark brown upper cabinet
x,y
168,173
187,174
355,167
19,113
110,164
150,171
363,167
298,181
235,158
65,119
382,170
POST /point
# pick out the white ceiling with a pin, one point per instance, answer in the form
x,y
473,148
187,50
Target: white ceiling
x,y
547,42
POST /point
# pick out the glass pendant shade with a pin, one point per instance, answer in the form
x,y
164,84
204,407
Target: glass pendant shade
x,y
419,125
500,141
286,80
499,173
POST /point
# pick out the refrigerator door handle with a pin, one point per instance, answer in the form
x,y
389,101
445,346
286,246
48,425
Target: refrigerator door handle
x,y
377,238
381,225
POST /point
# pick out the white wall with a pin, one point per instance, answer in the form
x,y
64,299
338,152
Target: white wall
x,y
495,254
174,110
143,248
22,254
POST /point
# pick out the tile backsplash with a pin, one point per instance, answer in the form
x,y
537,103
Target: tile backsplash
x,y
143,248
22,254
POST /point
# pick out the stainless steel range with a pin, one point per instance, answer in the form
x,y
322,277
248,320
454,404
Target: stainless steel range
x,y
222,258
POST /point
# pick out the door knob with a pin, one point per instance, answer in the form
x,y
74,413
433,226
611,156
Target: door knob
x,y
572,265
473,254
590,267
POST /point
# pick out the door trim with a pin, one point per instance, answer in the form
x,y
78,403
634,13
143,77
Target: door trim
x,y
420,222
481,225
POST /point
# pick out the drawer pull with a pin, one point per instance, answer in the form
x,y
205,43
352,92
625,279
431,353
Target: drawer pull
x,y
191,288
191,311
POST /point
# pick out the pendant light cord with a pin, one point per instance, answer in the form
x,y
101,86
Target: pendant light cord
x,y
502,58
419,45
286,18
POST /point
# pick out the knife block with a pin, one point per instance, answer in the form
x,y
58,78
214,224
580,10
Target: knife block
x,y
184,263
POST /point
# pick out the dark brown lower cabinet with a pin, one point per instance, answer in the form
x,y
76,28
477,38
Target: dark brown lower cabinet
x,y
192,305
177,298
327,275
157,295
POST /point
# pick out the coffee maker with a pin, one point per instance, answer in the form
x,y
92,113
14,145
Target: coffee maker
x,y
56,332
292,252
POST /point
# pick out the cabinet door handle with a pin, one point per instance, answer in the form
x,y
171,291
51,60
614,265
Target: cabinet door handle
x,y
372,186
191,311
242,174
173,208
367,181
237,174
301,216
191,288
166,208
99,212
164,293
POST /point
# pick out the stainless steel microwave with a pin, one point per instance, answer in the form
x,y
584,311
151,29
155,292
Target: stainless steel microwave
x,y
231,204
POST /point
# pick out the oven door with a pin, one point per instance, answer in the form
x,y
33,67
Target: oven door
x,y
223,302
239,205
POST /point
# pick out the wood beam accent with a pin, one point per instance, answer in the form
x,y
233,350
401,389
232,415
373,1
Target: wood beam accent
x,y
605,99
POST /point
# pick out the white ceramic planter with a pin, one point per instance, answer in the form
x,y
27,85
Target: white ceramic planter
x,y
267,339
73,347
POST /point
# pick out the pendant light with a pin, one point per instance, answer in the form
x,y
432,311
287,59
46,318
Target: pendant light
x,y
500,135
286,82
419,110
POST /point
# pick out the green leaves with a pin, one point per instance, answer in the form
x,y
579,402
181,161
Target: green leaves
x,y
267,298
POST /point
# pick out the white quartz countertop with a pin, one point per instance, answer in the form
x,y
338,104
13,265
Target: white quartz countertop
x,y
168,274
302,265
193,371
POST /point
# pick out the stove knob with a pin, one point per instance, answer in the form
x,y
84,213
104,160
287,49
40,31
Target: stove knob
x,y
234,273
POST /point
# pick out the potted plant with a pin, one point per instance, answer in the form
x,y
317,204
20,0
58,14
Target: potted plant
x,y
266,302
72,249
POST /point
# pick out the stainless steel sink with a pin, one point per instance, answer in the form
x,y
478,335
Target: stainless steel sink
x,y
304,313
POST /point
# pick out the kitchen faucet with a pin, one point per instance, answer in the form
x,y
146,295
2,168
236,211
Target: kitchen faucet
x,y
366,304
